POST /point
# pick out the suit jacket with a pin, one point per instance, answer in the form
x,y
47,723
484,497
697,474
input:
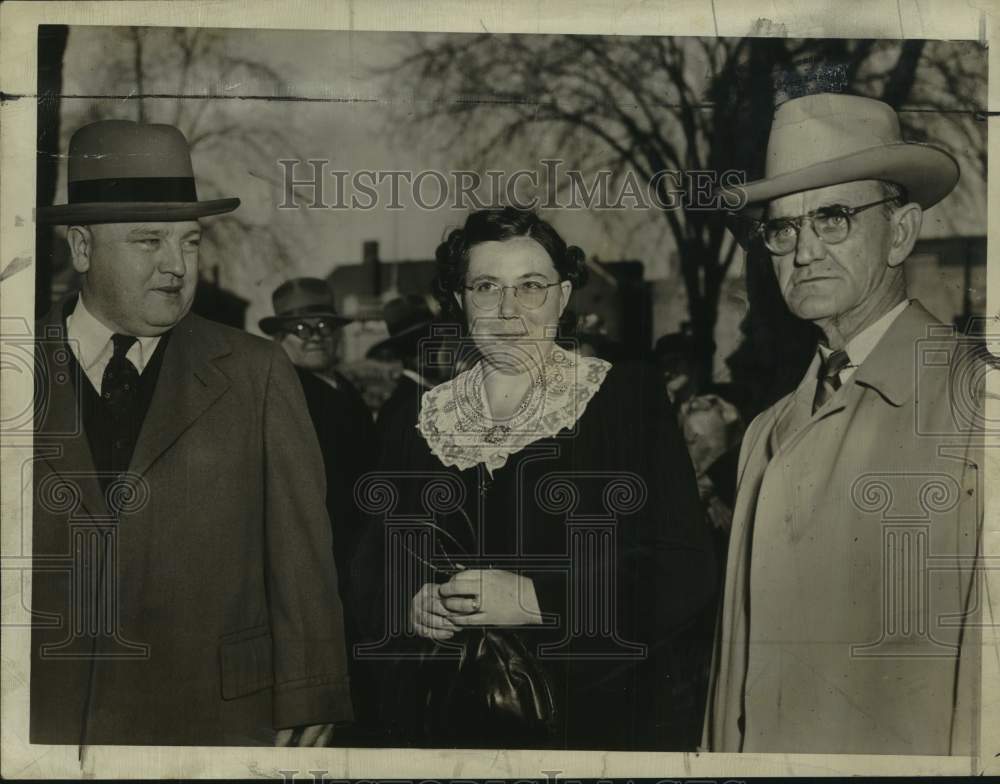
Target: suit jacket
x,y
846,625
217,618
346,434
399,410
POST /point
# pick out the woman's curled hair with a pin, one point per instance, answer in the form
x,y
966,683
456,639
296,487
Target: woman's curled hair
x,y
497,225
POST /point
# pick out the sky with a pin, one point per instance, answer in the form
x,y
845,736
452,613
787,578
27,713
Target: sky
x,y
351,136
359,130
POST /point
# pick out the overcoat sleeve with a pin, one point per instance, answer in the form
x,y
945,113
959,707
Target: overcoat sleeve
x,y
307,618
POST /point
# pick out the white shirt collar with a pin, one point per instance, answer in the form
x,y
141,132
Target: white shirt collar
x,y
861,345
328,380
417,378
90,342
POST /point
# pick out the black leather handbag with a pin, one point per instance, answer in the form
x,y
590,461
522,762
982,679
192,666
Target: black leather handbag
x,y
494,694
483,688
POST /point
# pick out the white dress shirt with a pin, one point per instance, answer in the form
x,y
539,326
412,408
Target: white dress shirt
x,y
861,345
90,342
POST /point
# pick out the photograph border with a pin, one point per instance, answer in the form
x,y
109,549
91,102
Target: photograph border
x,y
19,20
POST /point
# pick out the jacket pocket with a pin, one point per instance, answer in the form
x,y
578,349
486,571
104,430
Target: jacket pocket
x,y
245,662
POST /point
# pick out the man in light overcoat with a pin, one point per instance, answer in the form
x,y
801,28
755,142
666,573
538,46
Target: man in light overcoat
x,y
847,623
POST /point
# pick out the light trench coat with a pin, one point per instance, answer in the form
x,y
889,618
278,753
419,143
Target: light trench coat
x,y
845,626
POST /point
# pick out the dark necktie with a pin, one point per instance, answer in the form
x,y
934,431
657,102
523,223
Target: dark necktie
x,y
121,380
829,376
120,394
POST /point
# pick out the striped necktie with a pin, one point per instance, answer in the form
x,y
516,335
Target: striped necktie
x,y
829,376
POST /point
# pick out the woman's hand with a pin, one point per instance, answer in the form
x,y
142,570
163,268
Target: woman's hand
x,y
490,597
429,616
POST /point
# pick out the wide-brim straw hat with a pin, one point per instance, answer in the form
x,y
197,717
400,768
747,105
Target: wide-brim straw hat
x,y
125,172
829,139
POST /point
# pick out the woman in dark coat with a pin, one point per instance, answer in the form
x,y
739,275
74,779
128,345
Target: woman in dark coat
x,y
545,542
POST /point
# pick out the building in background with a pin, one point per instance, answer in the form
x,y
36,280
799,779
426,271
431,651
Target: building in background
x,y
617,292
947,274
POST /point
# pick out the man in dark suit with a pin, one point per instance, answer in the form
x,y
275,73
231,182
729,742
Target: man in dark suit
x,y
409,321
305,325
184,591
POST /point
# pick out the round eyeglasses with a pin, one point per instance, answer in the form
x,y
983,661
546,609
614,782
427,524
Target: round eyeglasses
x,y
304,330
831,224
487,294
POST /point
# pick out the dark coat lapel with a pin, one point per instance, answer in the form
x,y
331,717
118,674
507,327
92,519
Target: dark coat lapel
x,y
189,383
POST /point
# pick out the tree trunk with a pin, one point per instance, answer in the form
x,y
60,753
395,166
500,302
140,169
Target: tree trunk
x,y
139,85
903,75
51,47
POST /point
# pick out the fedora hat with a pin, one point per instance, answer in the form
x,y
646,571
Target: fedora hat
x,y
301,298
123,172
407,319
829,139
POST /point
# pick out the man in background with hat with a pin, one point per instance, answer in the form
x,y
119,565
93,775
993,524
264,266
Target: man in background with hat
x,y
184,591
305,324
835,637
408,320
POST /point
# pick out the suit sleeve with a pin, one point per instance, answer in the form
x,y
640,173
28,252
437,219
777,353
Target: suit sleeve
x,y
307,617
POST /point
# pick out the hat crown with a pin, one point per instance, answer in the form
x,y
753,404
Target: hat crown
x,y
121,171
818,128
122,149
301,295
828,139
404,312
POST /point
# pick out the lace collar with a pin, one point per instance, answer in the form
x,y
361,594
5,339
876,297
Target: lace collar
x,y
456,427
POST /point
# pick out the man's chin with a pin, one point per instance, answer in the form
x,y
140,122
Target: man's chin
x,y
315,362
813,308
167,317
158,326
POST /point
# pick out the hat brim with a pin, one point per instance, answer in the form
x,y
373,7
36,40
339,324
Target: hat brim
x,y
131,212
927,173
394,342
272,324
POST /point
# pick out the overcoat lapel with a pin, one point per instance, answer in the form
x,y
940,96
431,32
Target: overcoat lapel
x,y
796,413
889,370
189,383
